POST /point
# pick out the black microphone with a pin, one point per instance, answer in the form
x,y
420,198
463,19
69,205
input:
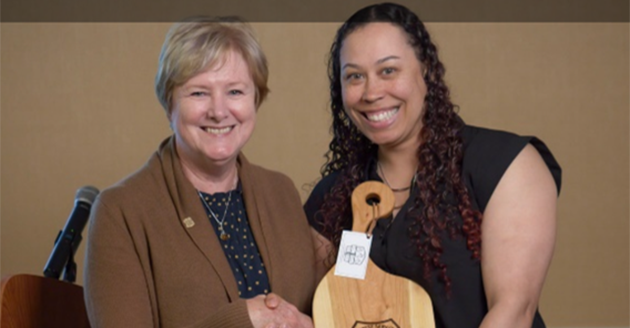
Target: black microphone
x,y
69,238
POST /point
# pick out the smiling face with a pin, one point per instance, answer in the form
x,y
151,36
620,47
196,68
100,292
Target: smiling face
x,y
382,86
213,113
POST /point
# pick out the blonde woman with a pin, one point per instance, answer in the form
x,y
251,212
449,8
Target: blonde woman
x,y
199,236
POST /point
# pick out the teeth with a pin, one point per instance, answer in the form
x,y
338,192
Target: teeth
x,y
382,116
219,131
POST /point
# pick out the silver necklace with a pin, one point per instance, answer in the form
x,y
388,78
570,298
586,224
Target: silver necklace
x,y
223,235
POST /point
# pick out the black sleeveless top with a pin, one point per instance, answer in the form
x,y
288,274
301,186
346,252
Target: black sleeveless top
x,y
487,155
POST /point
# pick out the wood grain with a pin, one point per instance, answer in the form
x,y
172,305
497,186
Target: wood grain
x,y
29,301
381,299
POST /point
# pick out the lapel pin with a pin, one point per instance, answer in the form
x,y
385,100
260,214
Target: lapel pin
x,y
188,222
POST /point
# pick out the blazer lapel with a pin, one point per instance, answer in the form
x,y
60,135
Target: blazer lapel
x,y
193,218
253,195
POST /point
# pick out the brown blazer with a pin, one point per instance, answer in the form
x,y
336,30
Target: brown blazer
x,y
145,267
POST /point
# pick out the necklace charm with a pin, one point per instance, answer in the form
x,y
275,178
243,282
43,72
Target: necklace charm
x,y
224,236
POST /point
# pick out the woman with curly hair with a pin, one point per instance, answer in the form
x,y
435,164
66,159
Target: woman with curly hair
x,y
475,215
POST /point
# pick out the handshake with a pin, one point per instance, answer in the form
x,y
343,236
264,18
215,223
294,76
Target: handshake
x,y
272,311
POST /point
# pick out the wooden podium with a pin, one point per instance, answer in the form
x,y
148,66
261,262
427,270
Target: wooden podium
x,y
381,299
29,301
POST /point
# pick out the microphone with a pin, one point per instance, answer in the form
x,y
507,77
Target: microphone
x,y
69,238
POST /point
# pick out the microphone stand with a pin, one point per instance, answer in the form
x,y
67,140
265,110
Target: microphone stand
x,y
61,260
70,271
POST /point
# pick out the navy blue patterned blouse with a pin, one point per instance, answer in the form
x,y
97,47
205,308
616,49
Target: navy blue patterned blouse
x,y
238,242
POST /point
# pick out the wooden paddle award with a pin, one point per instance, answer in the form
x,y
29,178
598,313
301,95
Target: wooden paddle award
x,y
381,299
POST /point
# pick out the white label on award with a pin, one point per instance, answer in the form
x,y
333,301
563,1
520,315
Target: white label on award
x,y
353,256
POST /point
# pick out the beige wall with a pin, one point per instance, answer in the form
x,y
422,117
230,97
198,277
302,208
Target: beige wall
x,y
78,108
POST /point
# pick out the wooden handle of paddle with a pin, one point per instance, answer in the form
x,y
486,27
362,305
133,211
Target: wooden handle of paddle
x,y
363,213
379,300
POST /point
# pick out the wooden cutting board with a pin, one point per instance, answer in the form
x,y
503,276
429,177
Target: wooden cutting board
x,y
381,299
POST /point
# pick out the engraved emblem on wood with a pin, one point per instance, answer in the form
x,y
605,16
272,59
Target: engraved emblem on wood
x,y
390,323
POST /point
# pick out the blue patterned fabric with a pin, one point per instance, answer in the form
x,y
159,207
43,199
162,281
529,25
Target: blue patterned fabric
x,y
240,248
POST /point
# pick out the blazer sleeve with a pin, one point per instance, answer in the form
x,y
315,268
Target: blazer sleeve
x,y
115,288
231,315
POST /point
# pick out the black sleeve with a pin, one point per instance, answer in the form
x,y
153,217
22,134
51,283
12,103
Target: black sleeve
x,y
489,153
316,199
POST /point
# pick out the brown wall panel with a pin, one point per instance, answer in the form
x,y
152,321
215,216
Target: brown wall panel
x,y
78,108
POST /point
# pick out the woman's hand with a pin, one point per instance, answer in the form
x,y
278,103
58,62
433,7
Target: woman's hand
x,y
271,311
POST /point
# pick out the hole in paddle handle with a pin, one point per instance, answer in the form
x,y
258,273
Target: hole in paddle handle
x,y
373,199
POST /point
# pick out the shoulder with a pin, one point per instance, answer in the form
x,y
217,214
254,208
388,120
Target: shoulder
x,y
316,198
489,153
122,210
326,183
482,141
141,184
322,188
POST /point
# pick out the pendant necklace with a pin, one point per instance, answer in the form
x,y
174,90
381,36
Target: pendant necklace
x,y
223,235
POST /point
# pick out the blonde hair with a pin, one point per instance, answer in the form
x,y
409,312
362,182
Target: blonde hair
x,y
201,42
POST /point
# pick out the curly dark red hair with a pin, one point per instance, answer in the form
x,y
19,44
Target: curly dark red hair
x,y
439,181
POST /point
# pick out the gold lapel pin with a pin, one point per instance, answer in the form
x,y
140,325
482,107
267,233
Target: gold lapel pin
x,y
188,222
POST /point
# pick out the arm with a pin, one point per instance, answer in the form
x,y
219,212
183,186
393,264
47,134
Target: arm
x,y
518,236
116,293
